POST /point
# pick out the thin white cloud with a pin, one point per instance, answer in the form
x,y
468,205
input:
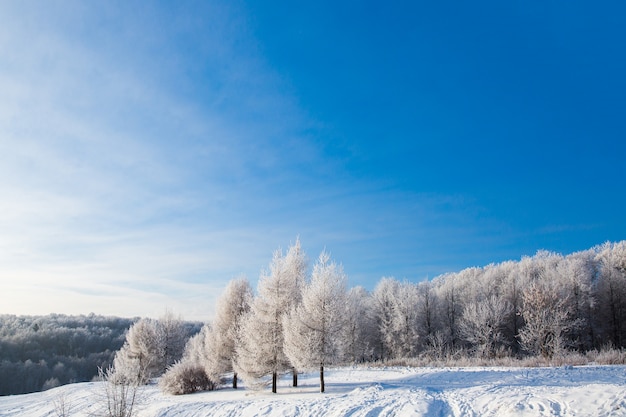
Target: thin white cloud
x,y
148,157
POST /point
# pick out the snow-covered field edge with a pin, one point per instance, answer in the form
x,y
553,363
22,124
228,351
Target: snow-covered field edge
x,y
366,391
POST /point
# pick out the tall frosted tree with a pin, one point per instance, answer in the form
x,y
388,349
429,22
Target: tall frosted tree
x,y
151,346
172,336
221,338
361,331
295,269
313,329
260,348
384,296
405,320
138,360
611,291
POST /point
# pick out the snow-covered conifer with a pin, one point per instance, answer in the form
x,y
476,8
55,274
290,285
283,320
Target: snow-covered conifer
x,y
313,329
151,346
139,359
221,338
259,350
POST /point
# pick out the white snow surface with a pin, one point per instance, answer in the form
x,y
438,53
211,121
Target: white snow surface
x,y
364,391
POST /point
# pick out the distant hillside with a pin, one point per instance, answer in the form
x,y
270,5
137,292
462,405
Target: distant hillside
x,y
40,352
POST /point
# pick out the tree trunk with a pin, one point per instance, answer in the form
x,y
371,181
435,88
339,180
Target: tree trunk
x,y
295,377
235,380
321,377
274,381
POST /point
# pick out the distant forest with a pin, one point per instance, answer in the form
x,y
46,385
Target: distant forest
x,y
41,352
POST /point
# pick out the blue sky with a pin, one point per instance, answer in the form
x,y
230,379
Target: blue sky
x,y
150,152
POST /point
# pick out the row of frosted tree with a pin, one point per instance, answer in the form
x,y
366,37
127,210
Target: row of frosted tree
x,y
303,318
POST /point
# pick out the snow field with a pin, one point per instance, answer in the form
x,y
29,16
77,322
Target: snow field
x,y
359,392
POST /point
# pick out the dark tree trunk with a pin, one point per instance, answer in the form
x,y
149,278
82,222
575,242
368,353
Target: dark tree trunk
x,y
235,380
321,377
295,377
274,381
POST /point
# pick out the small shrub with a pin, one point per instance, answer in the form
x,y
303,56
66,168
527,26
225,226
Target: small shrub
x,y
185,378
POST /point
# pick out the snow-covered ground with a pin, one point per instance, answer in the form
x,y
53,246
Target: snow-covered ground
x,y
566,391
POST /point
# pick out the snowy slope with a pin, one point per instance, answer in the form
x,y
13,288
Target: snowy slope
x,y
568,391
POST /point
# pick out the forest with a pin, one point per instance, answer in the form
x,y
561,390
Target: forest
x,y
548,307
545,307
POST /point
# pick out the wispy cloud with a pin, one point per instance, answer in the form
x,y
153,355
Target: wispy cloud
x,y
131,168
150,155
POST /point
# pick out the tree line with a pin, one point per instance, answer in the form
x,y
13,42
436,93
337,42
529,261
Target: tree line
x,y
302,318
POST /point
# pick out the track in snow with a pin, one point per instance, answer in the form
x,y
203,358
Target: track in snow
x,y
368,392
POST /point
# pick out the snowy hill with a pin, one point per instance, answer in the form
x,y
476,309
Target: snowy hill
x,y
355,391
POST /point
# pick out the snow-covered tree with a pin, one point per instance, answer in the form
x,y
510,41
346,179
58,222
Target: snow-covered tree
x,y
361,331
426,311
295,269
384,296
259,350
482,324
151,346
449,308
576,273
611,291
547,318
221,338
172,337
139,359
313,329
405,321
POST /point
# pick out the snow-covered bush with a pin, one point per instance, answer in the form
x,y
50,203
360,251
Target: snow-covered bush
x,y
120,396
185,378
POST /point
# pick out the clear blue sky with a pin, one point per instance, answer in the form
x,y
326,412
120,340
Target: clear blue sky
x,y
151,151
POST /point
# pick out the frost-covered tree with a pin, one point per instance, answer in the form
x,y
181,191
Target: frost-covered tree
x,y
426,311
295,269
221,338
384,296
405,321
576,273
312,329
449,308
172,337
151,346
611,291
547,318
259,350
396,310
482,324
140,357
361,331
